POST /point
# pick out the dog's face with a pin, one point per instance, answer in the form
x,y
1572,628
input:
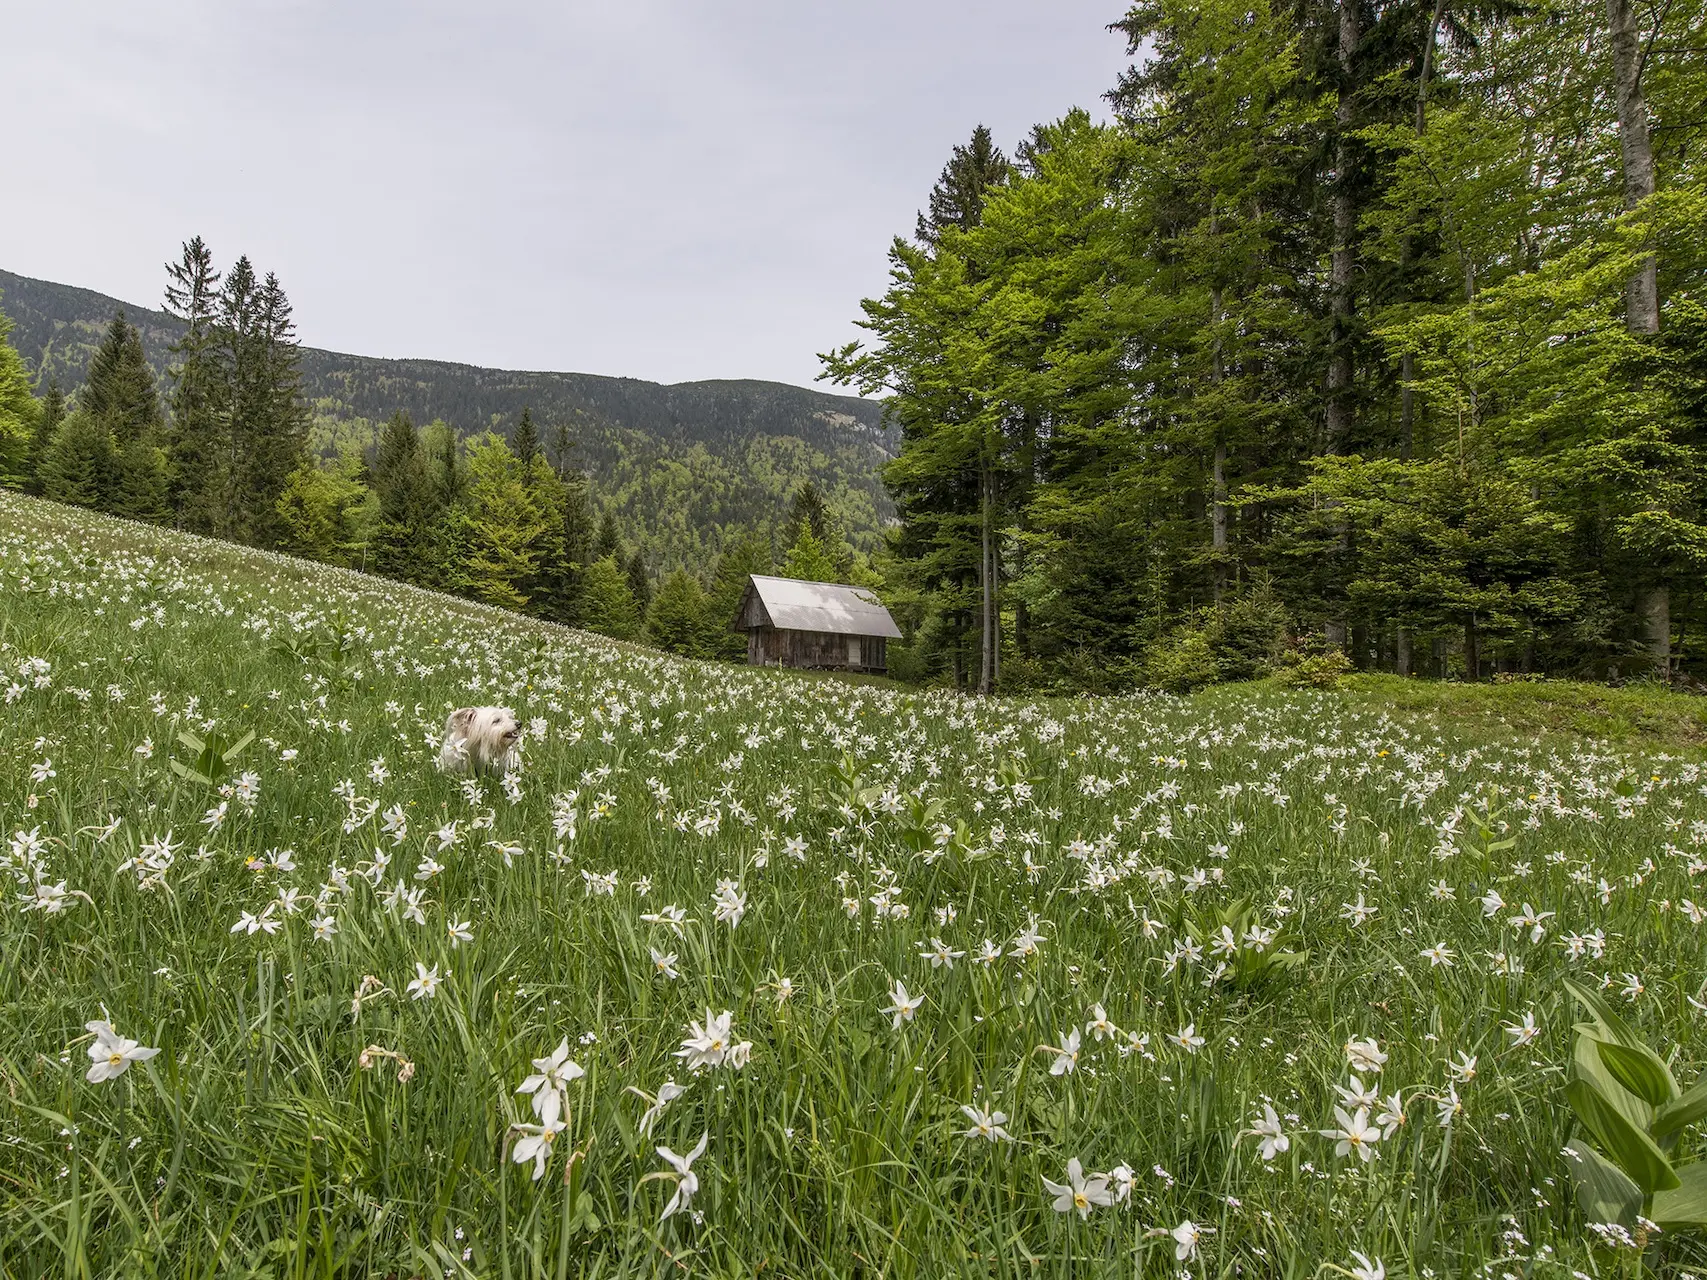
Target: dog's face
x,y
491,730
499,725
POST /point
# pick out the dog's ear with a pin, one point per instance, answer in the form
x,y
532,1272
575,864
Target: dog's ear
x,y
460,720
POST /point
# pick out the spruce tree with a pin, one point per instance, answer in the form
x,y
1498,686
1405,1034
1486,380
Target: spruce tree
x,y
502,528
957,200
119,388
607,605
277,436
609,542
77,466
199,421
569,550
120,398
807,510
19,414
524,441
678,619
53,410
639,581
407,500
749,554
237,354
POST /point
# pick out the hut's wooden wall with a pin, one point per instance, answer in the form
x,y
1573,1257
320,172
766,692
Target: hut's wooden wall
x,y
770,647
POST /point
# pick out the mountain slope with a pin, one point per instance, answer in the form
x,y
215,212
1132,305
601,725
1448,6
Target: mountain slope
x,y
679,464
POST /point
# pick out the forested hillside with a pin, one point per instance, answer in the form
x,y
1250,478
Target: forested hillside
x,y
1379,330
680,467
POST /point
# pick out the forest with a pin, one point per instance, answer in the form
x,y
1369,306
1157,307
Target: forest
x,y
1368,334
510,519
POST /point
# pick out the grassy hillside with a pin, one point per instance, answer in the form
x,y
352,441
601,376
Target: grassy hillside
x,y
677,463
917,911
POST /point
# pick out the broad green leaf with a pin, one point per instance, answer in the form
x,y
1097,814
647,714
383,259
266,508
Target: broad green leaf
x,y
1674,1117
1685,1206
1604,1191
1641,1071
1588,1065
1615,1030
1629,1146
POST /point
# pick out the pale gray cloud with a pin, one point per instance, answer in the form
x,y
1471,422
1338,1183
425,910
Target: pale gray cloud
x,y
658,188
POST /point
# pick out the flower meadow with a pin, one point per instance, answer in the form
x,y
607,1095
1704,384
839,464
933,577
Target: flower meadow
x,y
748,972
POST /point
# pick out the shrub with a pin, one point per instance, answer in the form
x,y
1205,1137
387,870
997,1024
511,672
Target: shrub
x,y
1318,671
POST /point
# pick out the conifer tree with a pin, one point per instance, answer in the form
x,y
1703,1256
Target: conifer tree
x,y
407,503
77,467
237,353
639,582
277,433
608,543
120,399
524,441
502,527
19,413
569,549
678,619
119,388
747,555
198,419
957,200
53,411
607,605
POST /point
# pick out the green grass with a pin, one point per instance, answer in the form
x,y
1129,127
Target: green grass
x,y
1648,715
255,1144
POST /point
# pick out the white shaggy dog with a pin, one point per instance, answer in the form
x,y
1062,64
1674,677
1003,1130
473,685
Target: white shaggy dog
x,y
478,739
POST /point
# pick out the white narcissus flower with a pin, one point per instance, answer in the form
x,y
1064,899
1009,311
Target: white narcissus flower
x,y
1079,1192
1364,1269
986,1124
668,1092
111,1054
551,1077
1271,1138
1099,1026
711,1044
903,1006
1365,1056
1523,1033
1067,1056
1355,1133
1187,1038
687,1181
425,984
1186,1237
535,1144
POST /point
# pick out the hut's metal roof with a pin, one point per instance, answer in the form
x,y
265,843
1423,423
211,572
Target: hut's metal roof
x,y
792,605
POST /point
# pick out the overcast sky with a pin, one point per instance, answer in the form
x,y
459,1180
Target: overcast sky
x,y
667,189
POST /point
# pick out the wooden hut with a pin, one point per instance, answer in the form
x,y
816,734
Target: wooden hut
x,y
814,624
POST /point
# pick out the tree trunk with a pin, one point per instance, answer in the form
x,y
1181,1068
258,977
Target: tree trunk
x,y
1340,367
1402,651
1472,651
1642,291
986,608
1642,297
1653,606
1218,522
1407,365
